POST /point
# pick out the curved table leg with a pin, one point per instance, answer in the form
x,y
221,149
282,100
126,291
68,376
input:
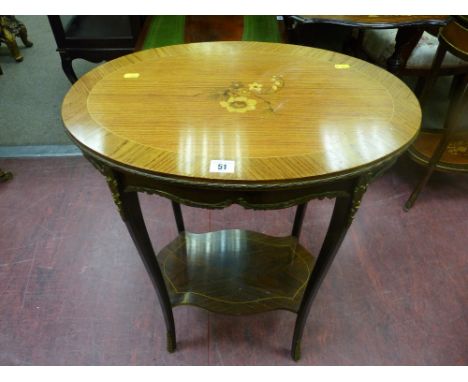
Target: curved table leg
x,y
406,40
431,79
298,220
178,216
343,212
68,68
129,208
454,114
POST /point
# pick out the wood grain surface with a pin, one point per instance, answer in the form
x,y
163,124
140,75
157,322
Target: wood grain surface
x,y
236,271
455,36
199,28
279,111
455,157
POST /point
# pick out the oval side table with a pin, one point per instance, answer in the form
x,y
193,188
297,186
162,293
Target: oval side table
x,y
263,125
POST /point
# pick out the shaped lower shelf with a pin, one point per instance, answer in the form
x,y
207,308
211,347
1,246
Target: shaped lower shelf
x,y
455,157
236,272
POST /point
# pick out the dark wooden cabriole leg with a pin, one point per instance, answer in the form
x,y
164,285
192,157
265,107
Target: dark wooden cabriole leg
x,y
130,211
137,229
432,77
456,108
405,41
455,85
343,213
68,68
290,30
178,217
298,220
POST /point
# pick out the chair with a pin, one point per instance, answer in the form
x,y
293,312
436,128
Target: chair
x,y
94,38
441,151
409,52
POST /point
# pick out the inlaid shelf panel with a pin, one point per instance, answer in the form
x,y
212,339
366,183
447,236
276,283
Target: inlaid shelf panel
x,y
455,157
236,272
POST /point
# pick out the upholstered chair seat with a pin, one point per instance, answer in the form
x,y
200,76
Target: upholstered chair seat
x,y
379,44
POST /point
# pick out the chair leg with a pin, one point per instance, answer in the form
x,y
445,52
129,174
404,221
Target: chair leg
x,y
456,109
178,217
68,68
406,40
455,85
420,85
431,79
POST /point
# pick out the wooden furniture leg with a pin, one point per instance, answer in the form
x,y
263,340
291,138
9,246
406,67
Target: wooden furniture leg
x,y
405,41
178,217
298,219
345,207
130,211
68,68
457,106
431,79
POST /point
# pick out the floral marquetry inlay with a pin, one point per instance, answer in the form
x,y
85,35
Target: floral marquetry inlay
x,y
239,104
458,148
239,98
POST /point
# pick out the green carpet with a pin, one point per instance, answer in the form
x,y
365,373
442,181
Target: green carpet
x,y
170,30
261,28
165,30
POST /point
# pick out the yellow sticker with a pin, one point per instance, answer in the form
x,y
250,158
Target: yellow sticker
x,y
341,66
131,75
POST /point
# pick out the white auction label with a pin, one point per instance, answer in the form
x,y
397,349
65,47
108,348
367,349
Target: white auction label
x,y
222,165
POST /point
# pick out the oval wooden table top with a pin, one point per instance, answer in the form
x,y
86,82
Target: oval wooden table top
x,y
281,112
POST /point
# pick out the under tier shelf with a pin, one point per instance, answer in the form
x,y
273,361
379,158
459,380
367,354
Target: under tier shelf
x,y
455,157
235,271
